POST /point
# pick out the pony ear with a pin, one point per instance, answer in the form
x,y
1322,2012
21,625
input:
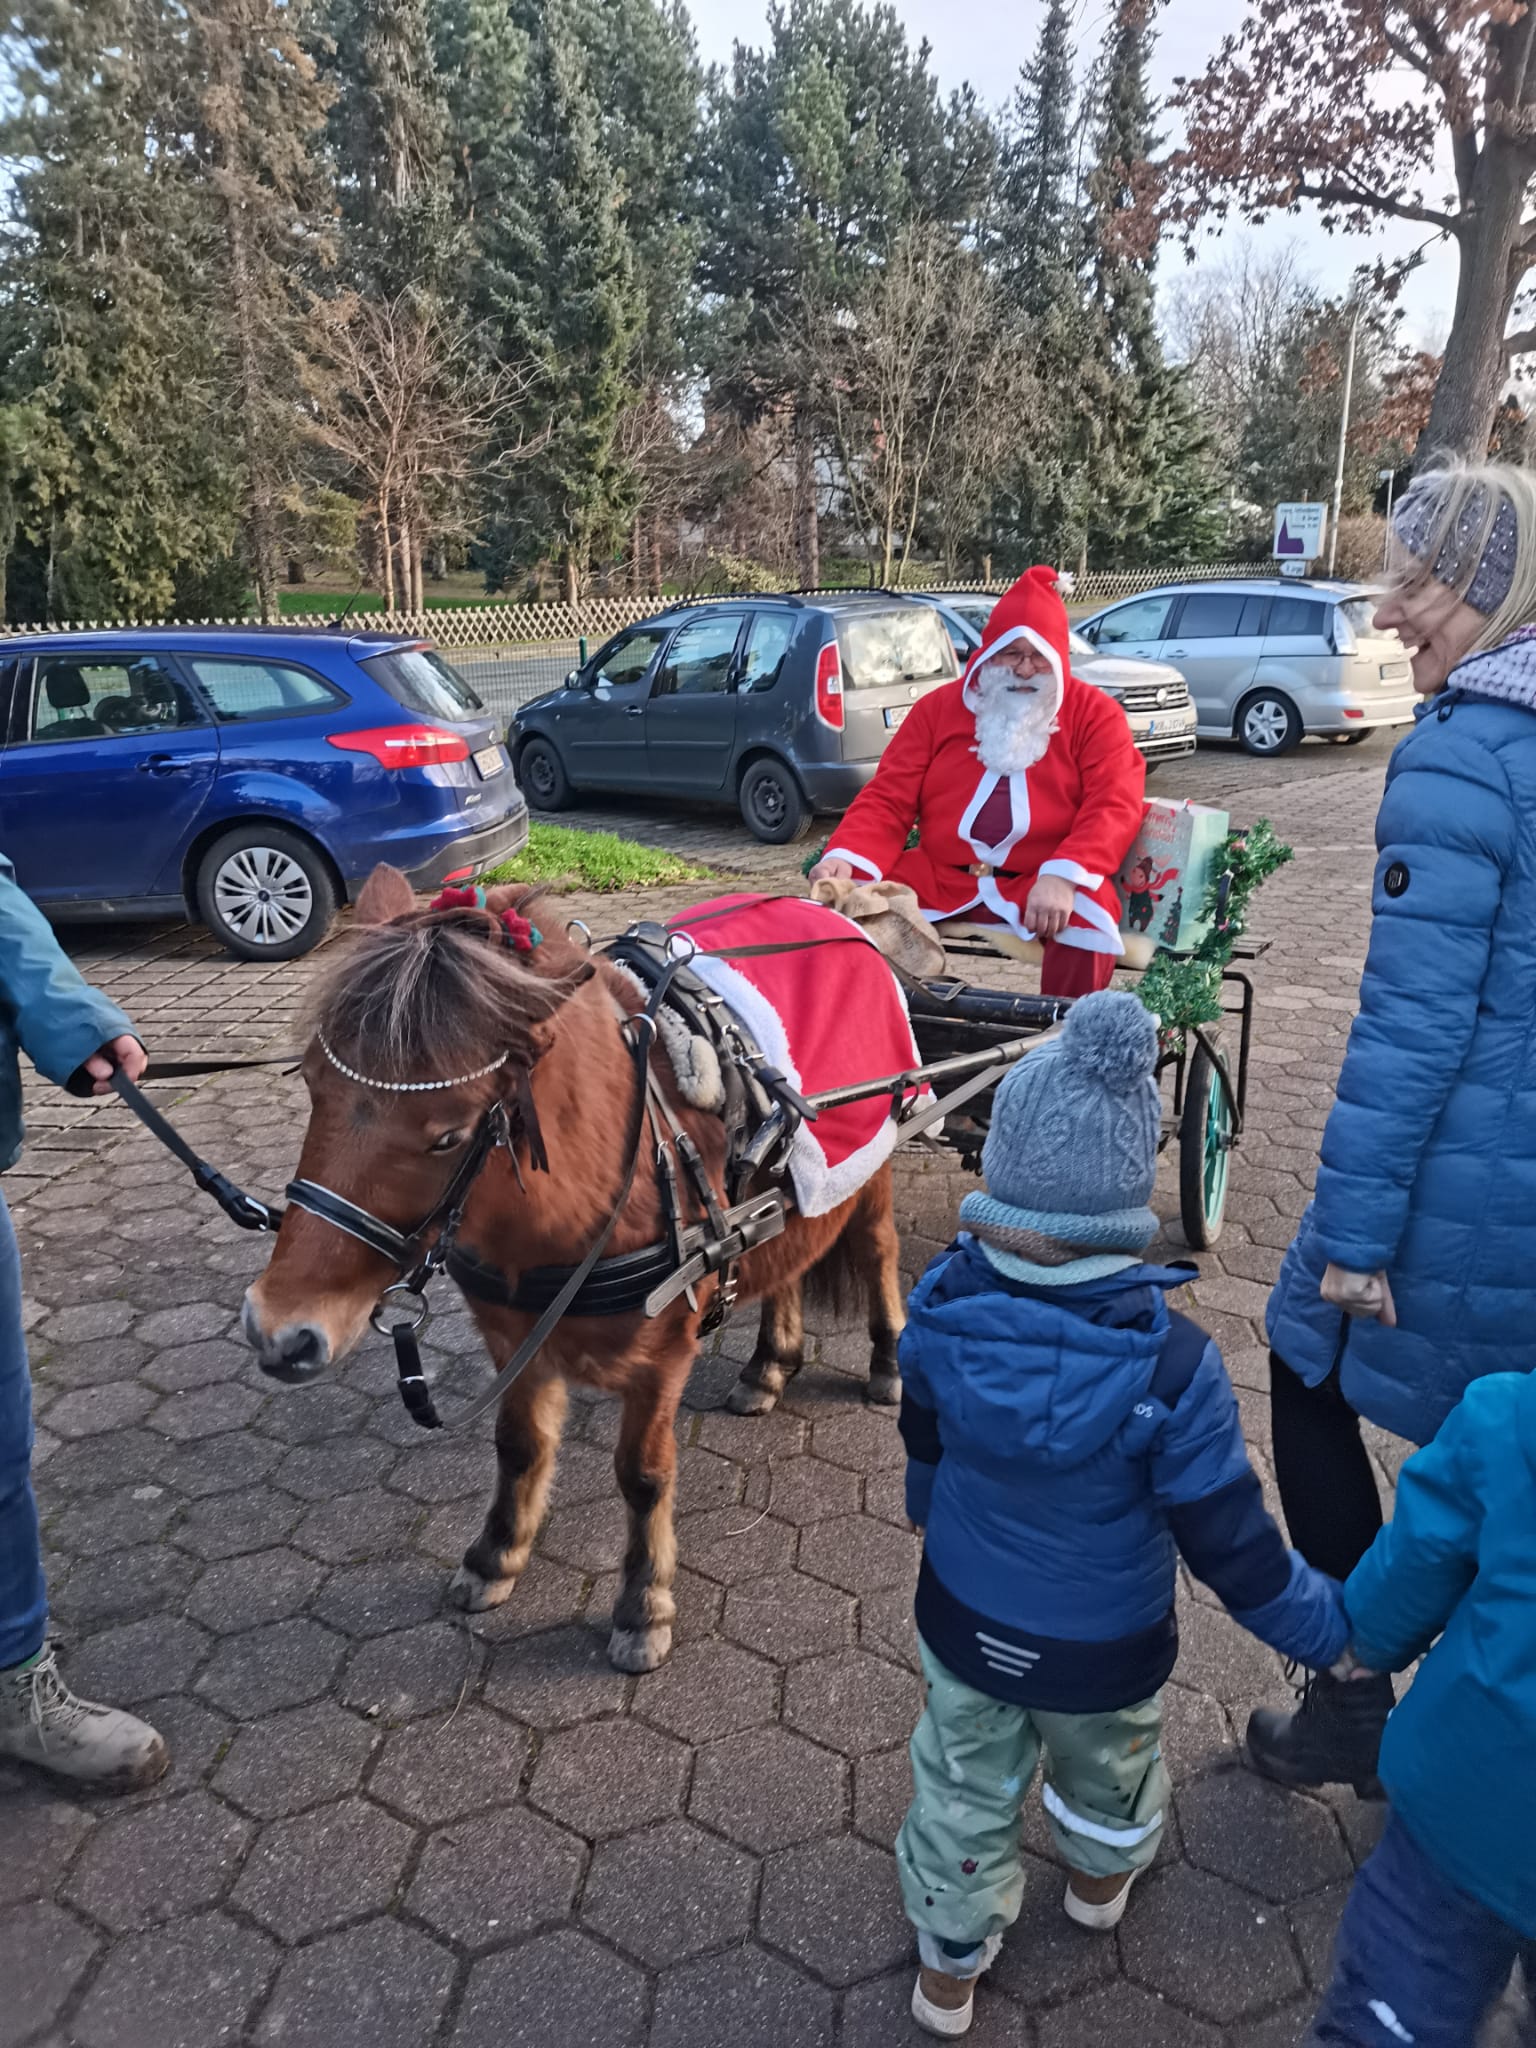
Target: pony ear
x,y
384,896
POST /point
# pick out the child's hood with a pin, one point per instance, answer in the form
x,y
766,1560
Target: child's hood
x,y
1036,1375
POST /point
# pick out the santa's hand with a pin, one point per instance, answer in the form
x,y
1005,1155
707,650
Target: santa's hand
x,y
831,871
1360,1294
1049,906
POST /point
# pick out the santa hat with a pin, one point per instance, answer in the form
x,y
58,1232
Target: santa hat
x,y
1031,610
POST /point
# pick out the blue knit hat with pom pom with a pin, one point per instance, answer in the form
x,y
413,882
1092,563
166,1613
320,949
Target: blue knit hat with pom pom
x,y
1072,1152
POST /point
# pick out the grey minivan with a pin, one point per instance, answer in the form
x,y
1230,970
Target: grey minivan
x,y
1268,662
782,705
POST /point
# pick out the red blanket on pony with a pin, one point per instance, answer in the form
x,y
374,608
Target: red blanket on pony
x,y
826,1018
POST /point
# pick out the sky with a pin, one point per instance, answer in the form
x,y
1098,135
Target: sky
x,y
987,41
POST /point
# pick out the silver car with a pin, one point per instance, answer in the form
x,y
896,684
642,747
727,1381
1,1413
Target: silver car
x,y
1153,696
1266,662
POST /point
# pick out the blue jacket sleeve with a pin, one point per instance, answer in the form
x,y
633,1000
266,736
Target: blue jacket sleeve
x,y
1447,833
1403,1591
59,1019
1204,1484
919,1426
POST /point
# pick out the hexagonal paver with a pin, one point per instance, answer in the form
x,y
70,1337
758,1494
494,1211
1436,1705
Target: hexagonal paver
x,y
42,1832
139,1661
388,1593
835,1907
753,1439
1046,1956
805,1490
246,1592
93,1411
547,1595
282,1664
219,1464
1281,1846
415,1672
1199,1941
1196,1734
852,1702
208,1410
441,1470
704,1481
181,1986
769,1789
124,1586
705,1690
181,1367
555,1679
790,1616
311,1873
879,2015
327,1409
356,1526
744,1998
114,1521
698,1602
434,1771
376,1986
238,1523
1315,1924
286,1762
882,1792
159,1862
562,1986
185,1324
1122,2012
128,1457
609,1776
43,1954
735,1543
487,1881
88,1319
670,1892
885,1497
338,1465
886,1625
1221,1661
863,1439
859,1555
591,1536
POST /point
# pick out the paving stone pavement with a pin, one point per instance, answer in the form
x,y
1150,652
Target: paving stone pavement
x,y
391,1827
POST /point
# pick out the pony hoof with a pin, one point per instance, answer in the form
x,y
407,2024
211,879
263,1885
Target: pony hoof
x,y
746,1399
468,1590
639,1649
885,1392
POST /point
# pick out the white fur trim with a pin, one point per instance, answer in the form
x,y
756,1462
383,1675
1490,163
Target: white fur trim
x,y
695,1063
854,860
818,1186
1072,871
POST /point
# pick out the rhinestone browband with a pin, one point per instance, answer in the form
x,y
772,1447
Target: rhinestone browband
x,y
409,1087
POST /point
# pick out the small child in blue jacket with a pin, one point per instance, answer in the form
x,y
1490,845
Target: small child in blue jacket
x,y
1067,1438
1442,1909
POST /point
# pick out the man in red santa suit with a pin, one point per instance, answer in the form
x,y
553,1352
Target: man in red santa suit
x,y
1026,791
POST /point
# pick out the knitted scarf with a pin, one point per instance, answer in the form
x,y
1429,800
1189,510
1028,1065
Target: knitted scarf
x,y
1056,1251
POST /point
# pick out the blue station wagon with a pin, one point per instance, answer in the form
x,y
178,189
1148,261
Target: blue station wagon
x,y
248,778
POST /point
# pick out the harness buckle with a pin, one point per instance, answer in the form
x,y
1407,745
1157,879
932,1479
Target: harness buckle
x,y
414,1319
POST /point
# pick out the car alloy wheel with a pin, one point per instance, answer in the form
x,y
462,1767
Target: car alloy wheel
x,y
263,895
1268,725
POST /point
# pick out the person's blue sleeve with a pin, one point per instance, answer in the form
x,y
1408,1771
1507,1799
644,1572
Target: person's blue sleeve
x,y
919,1426
59,1019
1447,833
1403,1591
1215,1508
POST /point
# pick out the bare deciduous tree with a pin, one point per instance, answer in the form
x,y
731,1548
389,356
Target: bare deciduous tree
x,y
404,399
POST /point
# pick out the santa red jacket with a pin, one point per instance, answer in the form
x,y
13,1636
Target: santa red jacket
x,y
984,838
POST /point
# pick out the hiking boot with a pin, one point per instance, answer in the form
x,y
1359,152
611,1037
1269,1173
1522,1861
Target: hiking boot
x,y
942,2003
1333,1738
42,1723
1098,1902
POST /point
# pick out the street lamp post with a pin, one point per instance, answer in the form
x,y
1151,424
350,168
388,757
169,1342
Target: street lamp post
x,y
1338,474
1389,478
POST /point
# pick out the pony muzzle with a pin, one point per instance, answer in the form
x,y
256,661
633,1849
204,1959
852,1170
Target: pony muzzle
x,y
293,1353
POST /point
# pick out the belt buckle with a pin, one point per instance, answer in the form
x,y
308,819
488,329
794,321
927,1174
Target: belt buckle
x,y
983,868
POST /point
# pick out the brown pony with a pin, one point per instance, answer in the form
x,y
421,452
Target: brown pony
x,y
417,995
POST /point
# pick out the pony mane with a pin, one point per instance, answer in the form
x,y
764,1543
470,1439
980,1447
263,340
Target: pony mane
x,y
431,994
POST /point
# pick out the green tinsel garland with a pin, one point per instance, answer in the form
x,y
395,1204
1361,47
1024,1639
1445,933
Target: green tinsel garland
x,y
1181,992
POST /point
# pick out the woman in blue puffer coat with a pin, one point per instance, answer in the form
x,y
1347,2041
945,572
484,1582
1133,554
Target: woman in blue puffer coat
x,y
1411,1273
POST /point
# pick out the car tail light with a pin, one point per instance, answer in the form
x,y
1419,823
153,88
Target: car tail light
x,y
1354,714
829,687
404,746
459,875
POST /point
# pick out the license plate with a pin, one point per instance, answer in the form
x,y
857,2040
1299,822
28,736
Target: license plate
x,y
896,713
1151,727
1395,672
490,761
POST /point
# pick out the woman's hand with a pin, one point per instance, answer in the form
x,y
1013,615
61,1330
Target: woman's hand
x,y
831,871
124,1052
1049,906
1360,1294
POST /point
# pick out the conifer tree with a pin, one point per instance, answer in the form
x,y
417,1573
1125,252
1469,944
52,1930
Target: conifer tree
x,y
1037,231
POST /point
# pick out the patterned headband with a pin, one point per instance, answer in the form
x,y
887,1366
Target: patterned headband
x,y
1493,571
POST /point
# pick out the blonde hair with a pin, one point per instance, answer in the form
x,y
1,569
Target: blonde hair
x,y
1442,529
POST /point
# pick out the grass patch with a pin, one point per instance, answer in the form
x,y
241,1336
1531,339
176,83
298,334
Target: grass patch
x,y
562,858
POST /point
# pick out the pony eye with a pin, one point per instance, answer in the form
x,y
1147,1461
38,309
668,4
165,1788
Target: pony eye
x,y
450,1141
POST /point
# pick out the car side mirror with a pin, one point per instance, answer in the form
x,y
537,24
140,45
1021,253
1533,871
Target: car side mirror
x,y
572,680
602,691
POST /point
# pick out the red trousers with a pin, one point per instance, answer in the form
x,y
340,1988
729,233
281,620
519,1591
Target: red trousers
x,y
1072,971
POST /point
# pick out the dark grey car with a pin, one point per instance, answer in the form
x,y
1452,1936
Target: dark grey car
x,y
782,705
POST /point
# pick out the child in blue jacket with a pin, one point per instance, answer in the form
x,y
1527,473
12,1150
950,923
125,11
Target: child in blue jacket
x,y
1442,1909
1067,1439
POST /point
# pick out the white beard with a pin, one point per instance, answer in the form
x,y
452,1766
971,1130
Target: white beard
x,y
1013,728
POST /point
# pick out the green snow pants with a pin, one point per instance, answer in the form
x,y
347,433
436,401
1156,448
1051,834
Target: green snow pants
x,y
972,1761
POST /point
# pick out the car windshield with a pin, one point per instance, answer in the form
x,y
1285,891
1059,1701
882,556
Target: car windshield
x,y
423,682
906,646
1359,613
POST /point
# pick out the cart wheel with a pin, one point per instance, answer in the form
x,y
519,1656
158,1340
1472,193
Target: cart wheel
x,y
1205,1151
